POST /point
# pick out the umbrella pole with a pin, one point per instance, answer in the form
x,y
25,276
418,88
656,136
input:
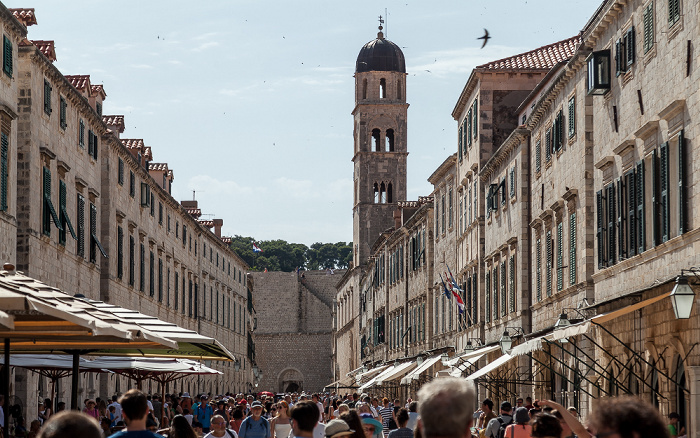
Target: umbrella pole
x,y
74,385
6,393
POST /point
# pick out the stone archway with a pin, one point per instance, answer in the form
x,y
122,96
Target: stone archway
x,y
290,380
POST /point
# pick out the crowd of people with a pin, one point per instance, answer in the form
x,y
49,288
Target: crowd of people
x,y
445,409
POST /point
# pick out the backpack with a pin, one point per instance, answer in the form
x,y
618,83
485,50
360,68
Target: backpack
x,y
502,429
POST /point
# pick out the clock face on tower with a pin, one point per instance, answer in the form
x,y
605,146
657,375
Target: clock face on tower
x,y
380,152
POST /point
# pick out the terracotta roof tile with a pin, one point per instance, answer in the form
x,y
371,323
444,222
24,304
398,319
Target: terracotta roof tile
x,y
206,223
98,89
226,240
132,143
148,153
80,82
194,212
24,15
116,121
543,58
47,48
158,166
170,174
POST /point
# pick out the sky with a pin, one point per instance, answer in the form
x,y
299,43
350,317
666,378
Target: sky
x,y
249,102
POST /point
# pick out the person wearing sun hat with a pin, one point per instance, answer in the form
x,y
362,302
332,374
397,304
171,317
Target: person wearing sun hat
x,y
372,427
337,429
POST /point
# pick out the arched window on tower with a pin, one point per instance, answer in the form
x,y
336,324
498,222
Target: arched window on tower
x,y
364,88
376,193
376,137
382,88
398,89
382,194
389,194
389,140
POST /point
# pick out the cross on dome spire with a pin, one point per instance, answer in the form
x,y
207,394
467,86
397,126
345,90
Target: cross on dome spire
x,y
381,22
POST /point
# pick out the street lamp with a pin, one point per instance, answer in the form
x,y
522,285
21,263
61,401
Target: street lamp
x,y
419,360
472,346
256,371
682,296
506,341
237,365
562,323
444,358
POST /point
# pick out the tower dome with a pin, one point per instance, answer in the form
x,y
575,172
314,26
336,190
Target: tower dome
x,y
380,55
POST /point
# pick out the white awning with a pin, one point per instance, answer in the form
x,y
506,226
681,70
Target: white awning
x,y
458,370
490,367
364,377
374,380
471,354
415,374
397,372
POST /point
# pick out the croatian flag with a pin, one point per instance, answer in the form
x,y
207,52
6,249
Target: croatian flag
x,y
256,248
447,291
455,290
455,286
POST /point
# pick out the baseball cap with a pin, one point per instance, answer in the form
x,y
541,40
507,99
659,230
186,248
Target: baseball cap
x,y
256,404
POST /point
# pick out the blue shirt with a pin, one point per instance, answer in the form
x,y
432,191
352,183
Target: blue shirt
x,y
254,429
203,413
135,434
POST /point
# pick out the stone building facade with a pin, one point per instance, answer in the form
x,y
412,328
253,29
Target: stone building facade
x,y
293,329
575,213
90,213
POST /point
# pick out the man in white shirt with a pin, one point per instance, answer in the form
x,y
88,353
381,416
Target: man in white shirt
x,y
118,407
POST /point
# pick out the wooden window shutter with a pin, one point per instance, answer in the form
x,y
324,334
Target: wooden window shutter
x,y
572,248
630,46
674,11
120,252
475,122
142,269
7,55
459,142
560,256
95,142
62,113
487,312
619,54
682,199
572,116
648,27
151,275
631,185
538,155
47,97
4,166
132,265
120,173
621,219
81,134
91,144
655,200
494,284
504,292
641,210
548,263
469,126
538,269
81,225
548,144
511,284
601,230
664,192
611,232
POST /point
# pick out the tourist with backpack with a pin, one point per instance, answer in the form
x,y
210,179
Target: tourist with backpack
x,y
520,428
496,428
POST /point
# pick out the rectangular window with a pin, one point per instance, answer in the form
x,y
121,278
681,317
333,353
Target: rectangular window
x,y
598,73
511,284
487,310
450,211
648,26
538,269
63,213
132,184
167,293
548,144
469,127
560,256
494,279
151,275
4,166
572,248
120,173
91,143
153,205
81,134
49,212
142,267
538,155
120,252
512,182
94,241
160,213
132,261
47,97
145,194
682,196
558,131
674,11
664,186
548,264
63,109
7,55
611,230
504,292
572,116
81,226
177,298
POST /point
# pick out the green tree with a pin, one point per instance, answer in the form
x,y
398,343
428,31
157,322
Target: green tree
x,y
279,255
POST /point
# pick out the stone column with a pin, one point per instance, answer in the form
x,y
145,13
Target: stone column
x,y
692,421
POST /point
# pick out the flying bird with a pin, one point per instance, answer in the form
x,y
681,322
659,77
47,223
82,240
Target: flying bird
x,y
486,38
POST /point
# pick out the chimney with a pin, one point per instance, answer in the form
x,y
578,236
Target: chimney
x,y
397,218
218,223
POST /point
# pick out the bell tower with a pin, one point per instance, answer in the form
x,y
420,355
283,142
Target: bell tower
x,y
379,176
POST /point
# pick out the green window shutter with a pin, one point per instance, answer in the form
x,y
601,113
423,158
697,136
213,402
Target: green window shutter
x,y
548,144
538,269
511,284
46,214
47,97
621,219
619,55
572,248
62,113
142,270
538,155
61,209
487,311
548,264
572,116
120,252
631,185
475,300
682,201
664,203
132,265
91,144
459,142
95,142
612,258
94,241
151,275
120,173
641,210
7,55
177,286
81,134
81,225
504,290
560,256
512,181
648,27
469,126
465,136
494,279
559,134
475,122
674,11
630,46
4,166
160,280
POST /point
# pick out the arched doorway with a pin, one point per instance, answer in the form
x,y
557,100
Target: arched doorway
x,y
290,380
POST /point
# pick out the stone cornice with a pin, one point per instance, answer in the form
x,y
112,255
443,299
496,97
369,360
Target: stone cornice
x,y
501,155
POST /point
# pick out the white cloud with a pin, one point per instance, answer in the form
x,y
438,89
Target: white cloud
x,y
142,66
205,46
444,62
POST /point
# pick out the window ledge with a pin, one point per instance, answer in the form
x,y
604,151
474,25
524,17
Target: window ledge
x,y
675,29
651,54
